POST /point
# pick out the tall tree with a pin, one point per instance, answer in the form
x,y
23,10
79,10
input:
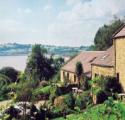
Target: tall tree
x,y
103,37
79,71
39,67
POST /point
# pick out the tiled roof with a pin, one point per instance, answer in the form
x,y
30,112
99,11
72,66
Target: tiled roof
x,y
106,58
86,58
120,32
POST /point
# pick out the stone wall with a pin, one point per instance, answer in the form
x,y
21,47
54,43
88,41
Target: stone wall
x,y
120,60
104,71
70,76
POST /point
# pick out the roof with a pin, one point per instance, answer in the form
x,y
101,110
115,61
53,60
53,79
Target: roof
x,y
105,59
120,33
86,58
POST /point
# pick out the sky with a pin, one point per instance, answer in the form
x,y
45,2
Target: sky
x,y
56,22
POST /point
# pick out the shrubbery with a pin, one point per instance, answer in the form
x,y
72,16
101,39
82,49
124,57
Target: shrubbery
x,y
83,100
103,87
24,95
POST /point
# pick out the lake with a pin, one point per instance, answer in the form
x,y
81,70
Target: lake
x,y
18,62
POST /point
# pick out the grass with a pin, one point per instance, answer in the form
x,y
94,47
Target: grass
x,y
42,90
99,113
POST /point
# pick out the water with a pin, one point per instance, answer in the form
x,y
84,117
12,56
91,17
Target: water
x,y
18,62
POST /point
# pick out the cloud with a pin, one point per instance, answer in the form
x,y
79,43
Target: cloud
x,y
80,23
72,2
24,11
66,22
47,8
27,10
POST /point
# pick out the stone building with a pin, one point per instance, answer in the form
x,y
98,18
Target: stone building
x,y
86,58
101,63
104,64
119,48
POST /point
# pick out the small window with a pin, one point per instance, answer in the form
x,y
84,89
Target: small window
x,y
74,78
117,76
68,76
63,73
96,75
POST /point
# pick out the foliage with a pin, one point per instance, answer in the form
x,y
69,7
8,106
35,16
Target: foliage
x,y
53,94
42,90
110,110
39,67
4,93
101,96
79,71
70,101
56,112
83,100
59,62
24,95
107,84
5,81
10,72
103,37
86,83
56,78
24,90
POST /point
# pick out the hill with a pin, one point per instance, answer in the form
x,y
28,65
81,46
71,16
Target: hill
x,y
22,49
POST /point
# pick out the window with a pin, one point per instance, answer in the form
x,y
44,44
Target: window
x,y
74,78
117,76
68,76
63,73
96,75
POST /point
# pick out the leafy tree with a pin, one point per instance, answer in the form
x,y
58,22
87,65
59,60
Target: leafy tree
x,y
58,62
79,71
103,37
10,73
39,67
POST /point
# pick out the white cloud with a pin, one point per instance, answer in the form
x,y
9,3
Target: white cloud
x,y
72,2
27,10
71,22
83,19
24,11
47,8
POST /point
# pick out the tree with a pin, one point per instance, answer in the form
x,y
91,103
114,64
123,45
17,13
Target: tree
x,y
103,37
58,62
79,71
39,67
10,73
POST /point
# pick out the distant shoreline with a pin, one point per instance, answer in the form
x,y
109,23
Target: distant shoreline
x,y
15,55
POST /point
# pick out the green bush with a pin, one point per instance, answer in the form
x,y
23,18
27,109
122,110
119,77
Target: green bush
x,y
110,110
70,100
24,95
103,87
101,96
10,73
42,90
83,100
4,93
53,94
